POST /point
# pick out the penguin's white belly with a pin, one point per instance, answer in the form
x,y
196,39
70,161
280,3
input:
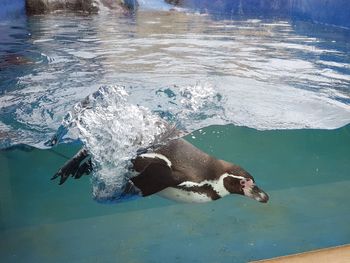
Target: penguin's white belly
x,y
181,195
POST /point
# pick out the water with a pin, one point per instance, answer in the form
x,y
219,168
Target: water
x,y
278,89
267,74
305,173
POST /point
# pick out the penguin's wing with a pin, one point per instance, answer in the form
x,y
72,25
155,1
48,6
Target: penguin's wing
x,y
171,132
77,166
154,178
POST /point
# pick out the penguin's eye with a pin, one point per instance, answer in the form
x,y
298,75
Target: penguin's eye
x,y
245,181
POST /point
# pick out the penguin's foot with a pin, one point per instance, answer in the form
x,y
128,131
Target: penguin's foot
x,y
76,167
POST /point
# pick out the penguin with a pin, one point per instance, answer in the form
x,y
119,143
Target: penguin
x,y
176,170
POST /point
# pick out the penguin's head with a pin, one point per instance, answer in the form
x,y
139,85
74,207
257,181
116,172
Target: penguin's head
x,y
239,181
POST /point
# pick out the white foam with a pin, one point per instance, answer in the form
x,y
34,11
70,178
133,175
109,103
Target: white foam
x,y
113,130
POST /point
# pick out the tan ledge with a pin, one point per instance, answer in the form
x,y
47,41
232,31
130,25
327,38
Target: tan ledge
x,y
340,254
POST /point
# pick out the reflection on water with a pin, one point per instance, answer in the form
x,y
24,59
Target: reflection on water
x,y
269,74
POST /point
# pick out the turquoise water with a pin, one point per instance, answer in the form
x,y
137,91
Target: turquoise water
x,y
276,91
305,172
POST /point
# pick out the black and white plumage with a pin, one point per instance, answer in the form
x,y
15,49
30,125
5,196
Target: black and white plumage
x,y
179,171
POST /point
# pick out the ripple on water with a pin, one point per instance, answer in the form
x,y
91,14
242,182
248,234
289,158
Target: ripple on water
x,y
263,73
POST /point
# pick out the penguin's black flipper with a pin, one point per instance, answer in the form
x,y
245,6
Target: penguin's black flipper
x,y
85,168
156,177
76,167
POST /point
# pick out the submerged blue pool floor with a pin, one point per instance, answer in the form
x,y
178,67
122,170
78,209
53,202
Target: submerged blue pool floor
x,y
179,233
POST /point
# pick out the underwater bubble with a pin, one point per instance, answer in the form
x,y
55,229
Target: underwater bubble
x,y
113,130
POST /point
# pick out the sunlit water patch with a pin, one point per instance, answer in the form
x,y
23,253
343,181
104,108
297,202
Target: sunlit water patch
x,y
154,5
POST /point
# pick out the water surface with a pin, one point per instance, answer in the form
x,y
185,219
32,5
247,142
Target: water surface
x,y
262,73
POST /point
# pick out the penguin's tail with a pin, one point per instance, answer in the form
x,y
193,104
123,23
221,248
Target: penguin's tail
x,y
76,167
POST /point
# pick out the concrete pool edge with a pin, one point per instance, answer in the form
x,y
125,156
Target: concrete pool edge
x,y
337,254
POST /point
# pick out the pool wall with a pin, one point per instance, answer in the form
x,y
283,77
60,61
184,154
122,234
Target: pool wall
x,y
335,12
11,9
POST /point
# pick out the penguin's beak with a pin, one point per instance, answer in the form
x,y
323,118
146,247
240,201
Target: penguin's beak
x,y
259,195
256,193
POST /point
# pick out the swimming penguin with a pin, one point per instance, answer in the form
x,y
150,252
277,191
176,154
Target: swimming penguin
x,y
179,171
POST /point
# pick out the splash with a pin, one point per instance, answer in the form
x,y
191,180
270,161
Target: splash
x,y
200,101
113,130
197,96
